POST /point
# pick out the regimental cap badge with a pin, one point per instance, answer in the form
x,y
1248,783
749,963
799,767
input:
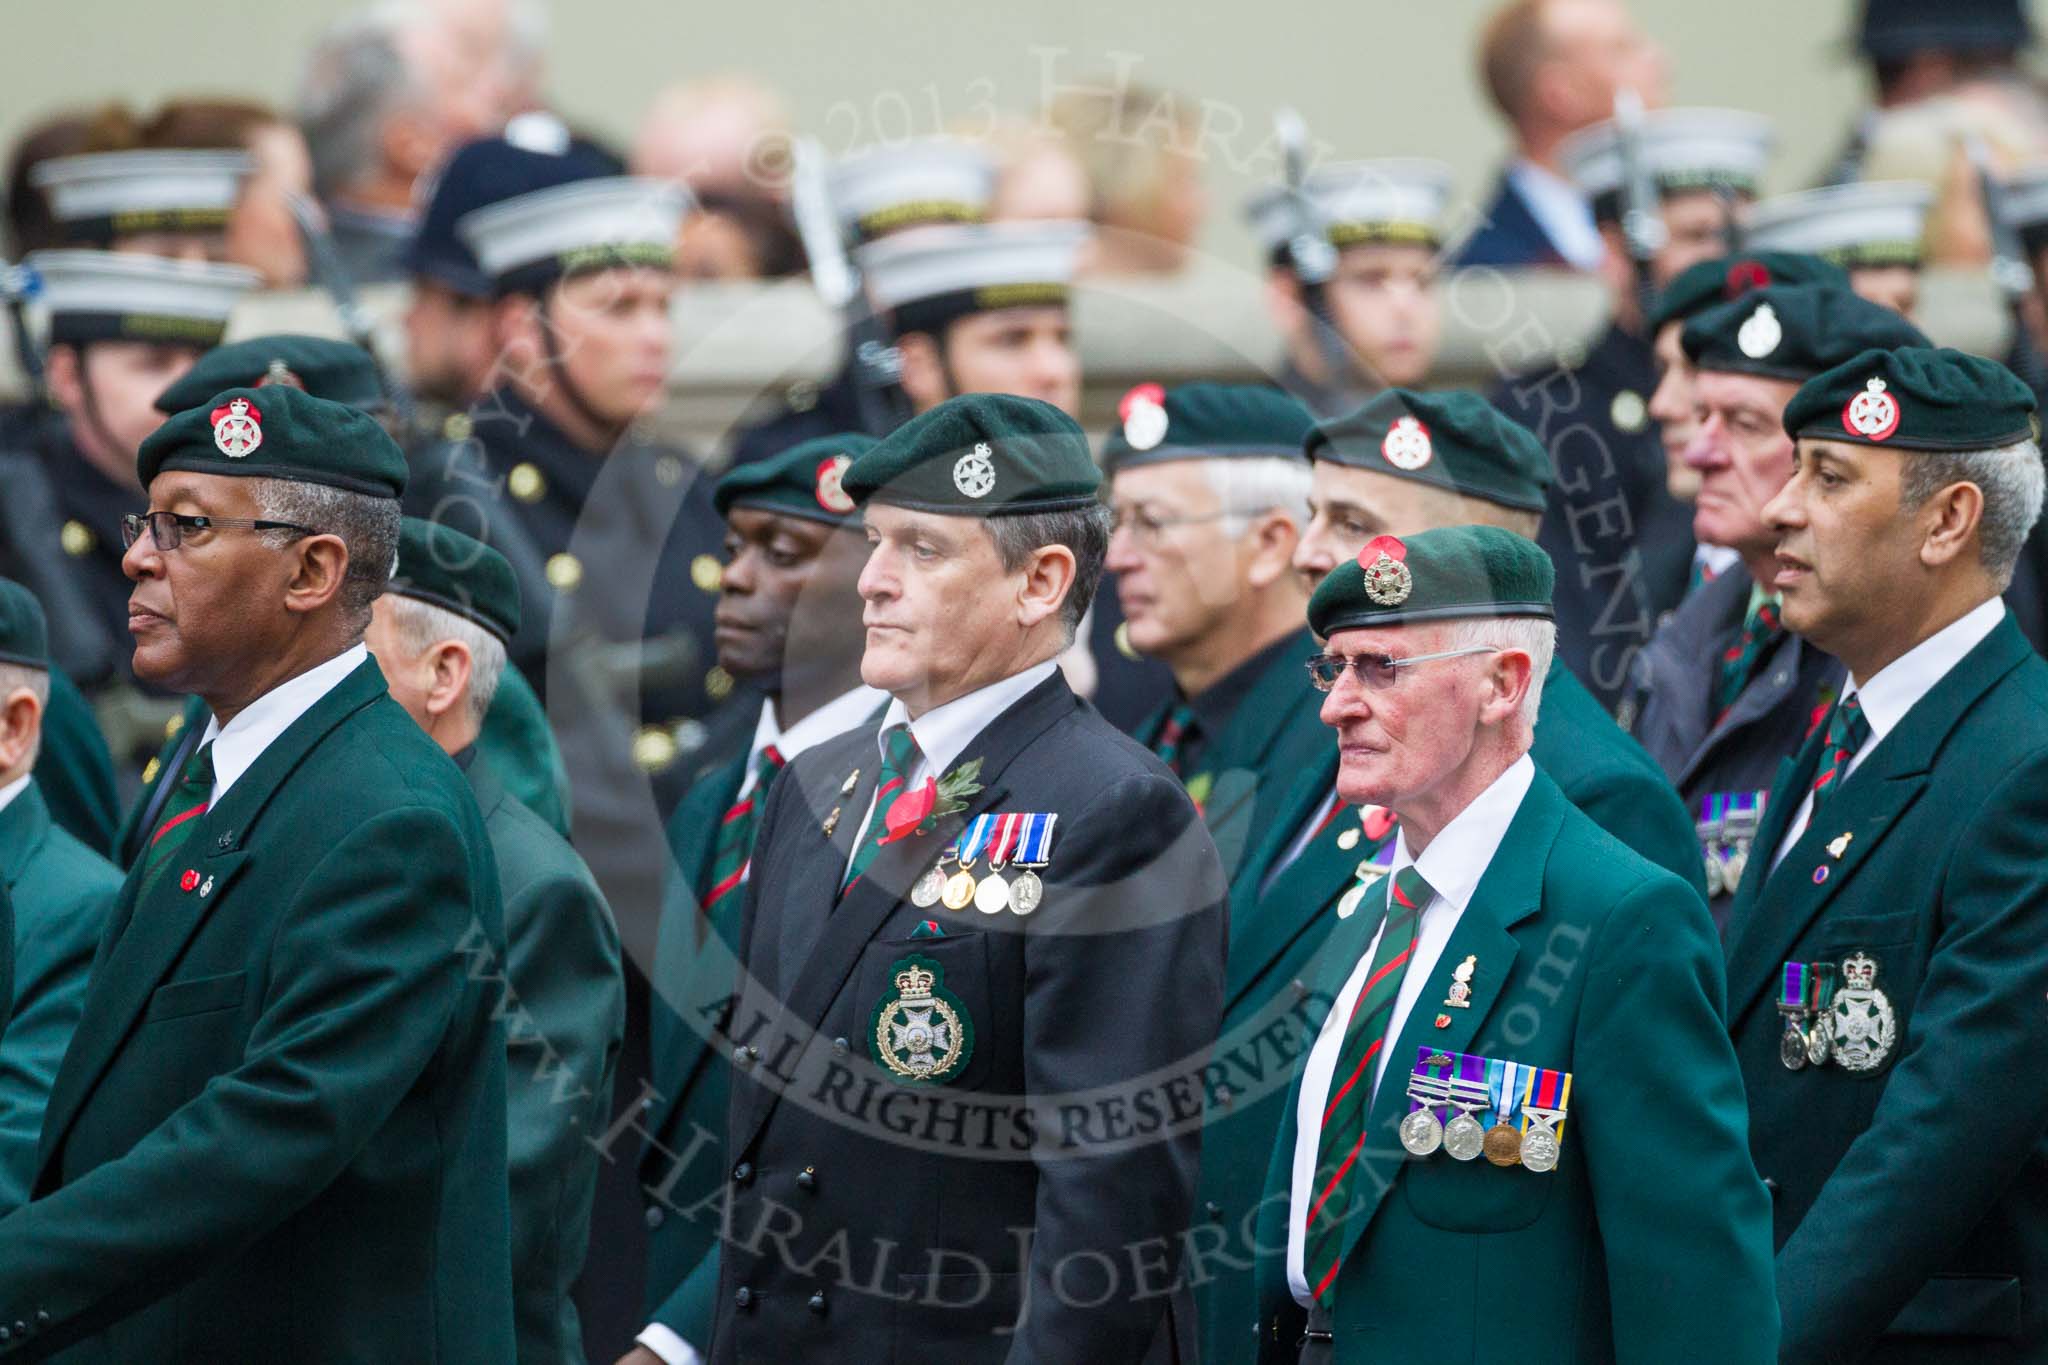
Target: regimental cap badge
x,y
974,473
1760,332
280,373
1143,411
237,428
1406,444
1873,413
1387,580
830,492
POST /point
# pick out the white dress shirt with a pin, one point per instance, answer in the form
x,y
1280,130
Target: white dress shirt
x,y
1452,865
14,789
1561,211
238,744
1895,689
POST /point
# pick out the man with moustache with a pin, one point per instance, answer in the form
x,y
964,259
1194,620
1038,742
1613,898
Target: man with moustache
x,y
1596,1080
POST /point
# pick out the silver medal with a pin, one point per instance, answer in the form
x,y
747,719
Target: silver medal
x,y
992,896
1820,1042
1539,1149
1464,1137
1027,893
1792,1047
1421,1134
929,888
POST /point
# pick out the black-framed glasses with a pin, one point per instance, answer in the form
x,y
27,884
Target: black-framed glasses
x,y
1379,671
169,529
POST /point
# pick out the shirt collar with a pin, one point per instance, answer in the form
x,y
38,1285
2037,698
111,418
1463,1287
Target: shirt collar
x,y
1894,689
1458,857
14,789
1560,210
835,717
942,732
238,744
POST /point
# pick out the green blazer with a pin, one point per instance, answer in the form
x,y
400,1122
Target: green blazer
x,y
565,1021
62,893
1612,778
1912,1197
1274,732
279,1133
74,768
1650,1241
685,1159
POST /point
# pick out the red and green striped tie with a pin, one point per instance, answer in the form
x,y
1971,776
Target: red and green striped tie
x,y
1847,729
1173,736
186,803
899,756
735,847
1760,630
1351,1085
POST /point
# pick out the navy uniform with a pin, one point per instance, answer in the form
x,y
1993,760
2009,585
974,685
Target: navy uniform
x,y
1622,544
1724,692
873,193
711,839
146,199
1887,957
1874,230
1103,974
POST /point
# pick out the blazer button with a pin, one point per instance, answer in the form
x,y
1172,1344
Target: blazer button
x,y
746,1055
807,1178
840,1046
1300,989
20,1328
655,1216
42,1317
1772,1186
743,1174
1214,1210
817,1304
6,1334
743,1297
1226,1094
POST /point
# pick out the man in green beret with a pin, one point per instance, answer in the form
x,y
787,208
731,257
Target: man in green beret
x,y
1521,1114
1888,945
982,954
1209,494
286,1062
439,635
1724,692
515,737
61,891
788,625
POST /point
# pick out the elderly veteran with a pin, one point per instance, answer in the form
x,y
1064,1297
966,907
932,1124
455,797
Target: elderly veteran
x,y
1720,730
232,1163
61,890
1520,1131
995,905
788,624
1888,946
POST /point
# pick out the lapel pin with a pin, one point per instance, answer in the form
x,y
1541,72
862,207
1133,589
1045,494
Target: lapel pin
x,y
206,888
831,822
1348,840
1460,997
852,781
1443,1021
1820,874
1839,845
189,880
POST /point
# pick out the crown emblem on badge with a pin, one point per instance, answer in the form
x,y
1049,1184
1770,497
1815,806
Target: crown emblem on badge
x,y
1406,444
1387,580
1143,411
1873,413
915,985
237,428
1859,973
974,473
830,490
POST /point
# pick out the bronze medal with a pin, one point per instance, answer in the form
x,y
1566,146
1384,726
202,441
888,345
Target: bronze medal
x,y
1503,1145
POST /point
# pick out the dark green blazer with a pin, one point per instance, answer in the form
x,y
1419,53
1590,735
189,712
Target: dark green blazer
x,y
1275,731
1912,1198
279,1133
694,976
1650,1241
74,768
565,1022
1612,778
62,892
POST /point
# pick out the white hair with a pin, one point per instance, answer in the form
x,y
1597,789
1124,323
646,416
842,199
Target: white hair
x,y
1532,635
419,626
37,681
1264,483
2011,479
353,80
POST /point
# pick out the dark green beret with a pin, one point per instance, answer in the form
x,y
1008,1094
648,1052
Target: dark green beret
x,y
334,370
1452,573
277,432
807,480
24,634
1727,277
1455,440
1205,421
981,455
1915,398
445,568
1793,332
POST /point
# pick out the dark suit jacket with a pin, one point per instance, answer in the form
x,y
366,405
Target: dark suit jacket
x,y
1509,236
1649,1241
913,1219
279,1133
1912,1198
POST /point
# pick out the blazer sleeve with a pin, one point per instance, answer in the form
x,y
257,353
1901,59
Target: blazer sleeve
x,y
50,984
365,979
1124,988
1658,1105
1902,1199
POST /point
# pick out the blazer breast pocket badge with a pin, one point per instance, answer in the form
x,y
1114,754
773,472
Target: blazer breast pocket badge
x,y
922,1033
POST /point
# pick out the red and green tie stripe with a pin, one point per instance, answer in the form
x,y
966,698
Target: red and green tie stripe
x,y
1761,629
186,803
1173,736
1351,1087
1848,728
731,855
899,756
